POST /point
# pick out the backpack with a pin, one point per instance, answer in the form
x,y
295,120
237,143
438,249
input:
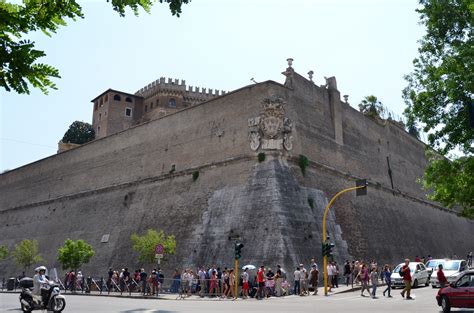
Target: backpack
x,y
400,272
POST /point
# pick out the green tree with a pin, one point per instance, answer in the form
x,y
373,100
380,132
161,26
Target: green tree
x,y
18,55
439,96
446,178
74,253
371,107
79,132
145,245
26,253
3,252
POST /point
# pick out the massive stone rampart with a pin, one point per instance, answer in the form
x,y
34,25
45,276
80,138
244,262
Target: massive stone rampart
x,y
142,178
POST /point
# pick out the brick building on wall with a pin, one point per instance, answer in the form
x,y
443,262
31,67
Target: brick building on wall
x,y
115,111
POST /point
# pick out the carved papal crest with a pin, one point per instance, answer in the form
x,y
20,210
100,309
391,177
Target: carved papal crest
x,y
271,130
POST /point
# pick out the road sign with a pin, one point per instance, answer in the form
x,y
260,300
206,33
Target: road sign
x,y
159,249
158,256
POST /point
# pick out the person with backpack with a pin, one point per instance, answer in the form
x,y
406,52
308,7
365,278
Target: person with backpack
x,y
405,273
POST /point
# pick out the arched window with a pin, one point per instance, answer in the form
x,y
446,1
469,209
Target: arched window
x,y
172,103
128,99
117,98
98,130
146,108
151,105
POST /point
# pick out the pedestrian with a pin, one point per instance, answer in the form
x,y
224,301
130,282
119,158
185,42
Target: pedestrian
x,y
143,278
245,284
364,279
269,283
374,276
213,285
347,272
296,275
278,280
417,259
231,287
303,280
202,281
469,259
405,270
153,282
261,282
335,274
387,275
443,282
314,278
330,273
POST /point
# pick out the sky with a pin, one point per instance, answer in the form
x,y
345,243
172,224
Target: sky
x,y
368,45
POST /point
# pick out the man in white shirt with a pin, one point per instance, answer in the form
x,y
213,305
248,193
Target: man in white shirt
x,y
297,276
330,270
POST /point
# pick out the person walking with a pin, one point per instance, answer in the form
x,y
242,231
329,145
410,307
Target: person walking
x,y
330,273
245,284
213,285
374,276
364,279
387,276
278,281
443,282
405,270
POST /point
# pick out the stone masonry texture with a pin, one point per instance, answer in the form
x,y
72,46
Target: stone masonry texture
x,y
124,183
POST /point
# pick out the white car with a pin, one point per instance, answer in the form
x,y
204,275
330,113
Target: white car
x,y
419,275
432,265
451,269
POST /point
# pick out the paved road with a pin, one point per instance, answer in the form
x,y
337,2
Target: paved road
x,y
345,302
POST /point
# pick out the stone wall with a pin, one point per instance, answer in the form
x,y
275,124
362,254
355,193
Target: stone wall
x,y
124,184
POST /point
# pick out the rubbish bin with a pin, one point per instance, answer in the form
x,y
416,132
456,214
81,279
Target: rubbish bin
x,y
10,284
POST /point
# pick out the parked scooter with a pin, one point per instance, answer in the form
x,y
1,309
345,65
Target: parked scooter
x,y
51,298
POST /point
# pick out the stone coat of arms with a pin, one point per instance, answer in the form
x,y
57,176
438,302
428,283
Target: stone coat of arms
x,y
271,130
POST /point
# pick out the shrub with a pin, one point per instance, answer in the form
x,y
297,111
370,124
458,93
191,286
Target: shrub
x,y
261,157
303,162
195,175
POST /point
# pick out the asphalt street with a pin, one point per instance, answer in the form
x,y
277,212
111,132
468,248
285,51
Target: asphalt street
x,y
343,302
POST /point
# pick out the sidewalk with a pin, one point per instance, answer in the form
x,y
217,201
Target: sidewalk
x,y
168,296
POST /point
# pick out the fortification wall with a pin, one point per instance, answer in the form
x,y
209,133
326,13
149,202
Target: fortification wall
x,y
214,131
123,184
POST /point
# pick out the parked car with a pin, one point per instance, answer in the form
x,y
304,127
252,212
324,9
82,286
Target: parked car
x,y
451,270
419,275
459,294
432,265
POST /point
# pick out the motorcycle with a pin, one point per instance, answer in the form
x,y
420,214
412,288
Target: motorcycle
x,y
51,298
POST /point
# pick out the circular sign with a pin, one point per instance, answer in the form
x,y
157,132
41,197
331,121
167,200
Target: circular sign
x,y
159,249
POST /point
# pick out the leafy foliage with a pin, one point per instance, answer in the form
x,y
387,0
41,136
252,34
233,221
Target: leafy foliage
x,y
26,253
75,253
195,175
439,96
261,157
3,252
371,107
79,132
145,245
311,202
447,178
441,87
18,55
303,162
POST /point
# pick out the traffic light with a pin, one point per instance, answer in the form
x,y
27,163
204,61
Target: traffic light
x,y
238,247
361,191
329,249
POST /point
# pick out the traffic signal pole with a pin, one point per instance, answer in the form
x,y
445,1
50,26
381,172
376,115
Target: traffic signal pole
x,y
324,237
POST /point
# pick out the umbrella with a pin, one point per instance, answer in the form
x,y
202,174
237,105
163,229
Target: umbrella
x,y
249,266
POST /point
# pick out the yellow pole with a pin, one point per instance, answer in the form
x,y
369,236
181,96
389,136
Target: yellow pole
x,y
236,278
325,261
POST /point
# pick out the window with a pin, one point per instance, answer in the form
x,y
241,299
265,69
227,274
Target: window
x,y
128,99
100,101
106,98
98,130
117,98
100,116
146,108
128,112
172,103
151,105
96,106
